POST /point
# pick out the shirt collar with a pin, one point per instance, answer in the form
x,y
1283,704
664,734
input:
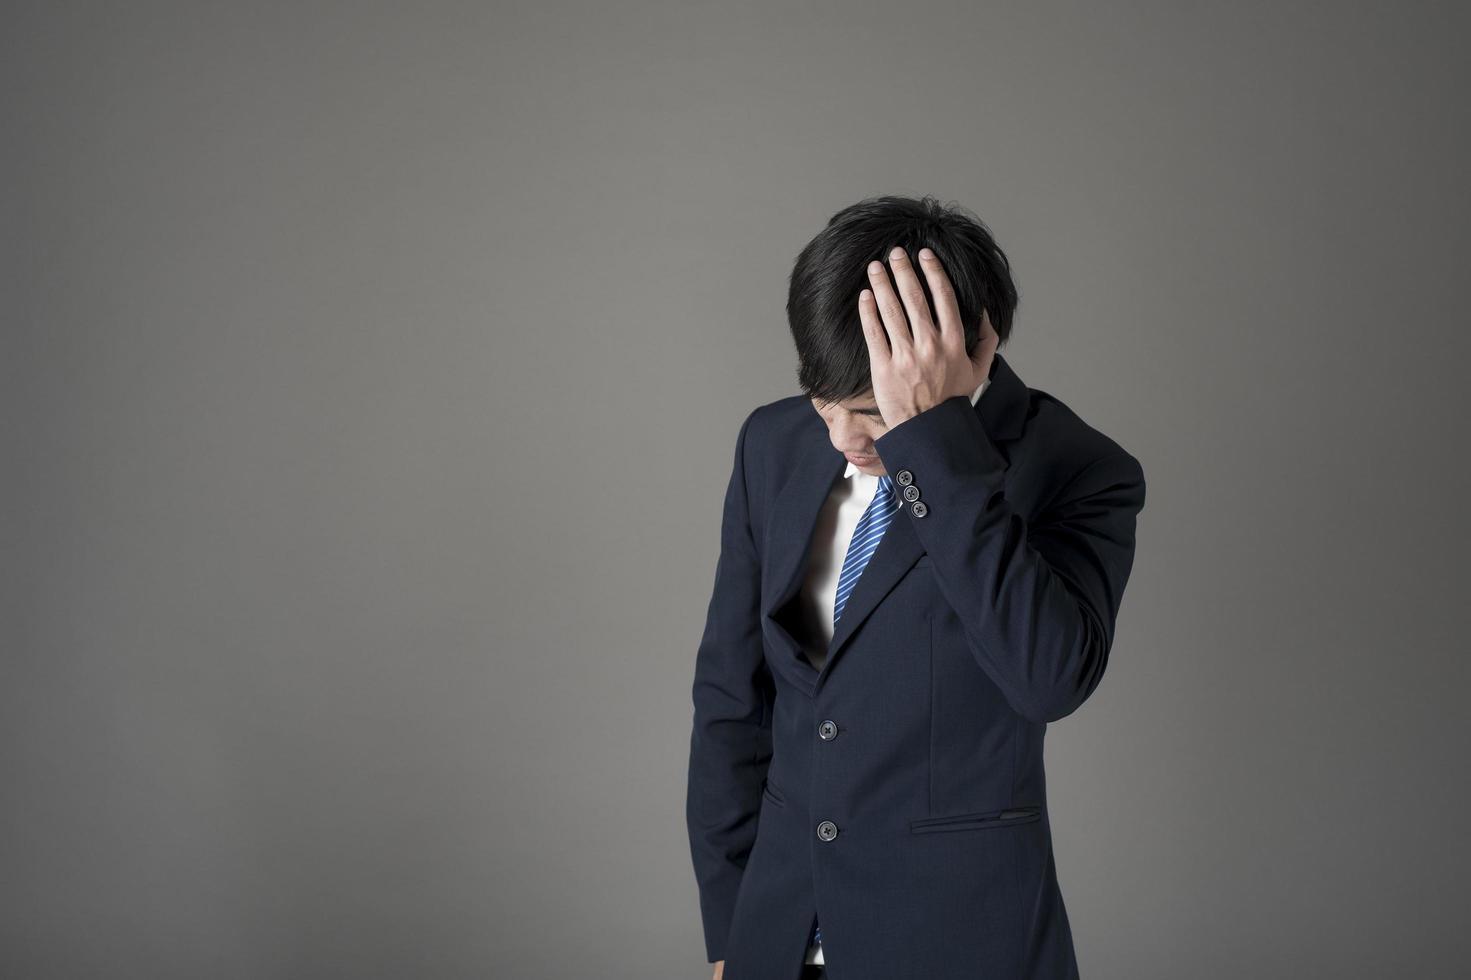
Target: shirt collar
x,y
975,396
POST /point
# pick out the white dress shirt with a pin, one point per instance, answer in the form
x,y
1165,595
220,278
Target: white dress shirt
x,y
846,503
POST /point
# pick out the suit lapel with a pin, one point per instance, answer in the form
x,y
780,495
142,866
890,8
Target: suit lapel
x,y
793,519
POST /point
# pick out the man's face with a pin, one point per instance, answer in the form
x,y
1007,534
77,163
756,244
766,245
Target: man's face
x,y
852,426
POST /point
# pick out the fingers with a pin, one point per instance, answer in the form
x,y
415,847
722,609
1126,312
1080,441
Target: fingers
x,y
889,306
911,293
873,329
947,308
898,311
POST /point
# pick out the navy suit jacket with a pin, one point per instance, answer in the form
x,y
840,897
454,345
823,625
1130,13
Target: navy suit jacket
x,y
898,793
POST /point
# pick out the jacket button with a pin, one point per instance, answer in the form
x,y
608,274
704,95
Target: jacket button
x,y
827,830
911,492
827,731
904,478
919,508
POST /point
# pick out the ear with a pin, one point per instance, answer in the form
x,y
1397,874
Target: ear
x,y
984,353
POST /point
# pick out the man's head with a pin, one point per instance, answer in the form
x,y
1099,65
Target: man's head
x,y
822,302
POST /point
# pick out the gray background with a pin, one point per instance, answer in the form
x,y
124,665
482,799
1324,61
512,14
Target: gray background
x,y
371,376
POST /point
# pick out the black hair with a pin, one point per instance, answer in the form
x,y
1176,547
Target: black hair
x,y
822,297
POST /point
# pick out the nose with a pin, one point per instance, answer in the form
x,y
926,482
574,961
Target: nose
x,y
849,438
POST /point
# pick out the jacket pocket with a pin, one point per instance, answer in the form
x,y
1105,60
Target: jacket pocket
x,y
977,821
774,795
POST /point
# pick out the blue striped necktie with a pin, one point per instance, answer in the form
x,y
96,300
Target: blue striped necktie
x,y
866,535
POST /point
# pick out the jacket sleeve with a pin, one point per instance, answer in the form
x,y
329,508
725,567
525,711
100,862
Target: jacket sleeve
x,y
730,742
1037,601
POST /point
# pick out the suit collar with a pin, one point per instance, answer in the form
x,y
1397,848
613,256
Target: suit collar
x,y
1004,409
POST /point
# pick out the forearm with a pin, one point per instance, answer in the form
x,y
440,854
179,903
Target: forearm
x,y
1038,603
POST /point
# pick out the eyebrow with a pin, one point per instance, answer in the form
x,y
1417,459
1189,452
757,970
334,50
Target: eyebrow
x,y
873,410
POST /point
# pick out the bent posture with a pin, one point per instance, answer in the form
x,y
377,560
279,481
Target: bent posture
x,y
921,564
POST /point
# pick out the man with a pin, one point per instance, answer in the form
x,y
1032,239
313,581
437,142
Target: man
x,y
921,564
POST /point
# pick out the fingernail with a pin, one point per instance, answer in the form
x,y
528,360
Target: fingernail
x,y
897,253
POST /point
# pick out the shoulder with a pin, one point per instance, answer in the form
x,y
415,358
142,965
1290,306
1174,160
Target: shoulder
x,y
778,423
1071,456
1053,423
